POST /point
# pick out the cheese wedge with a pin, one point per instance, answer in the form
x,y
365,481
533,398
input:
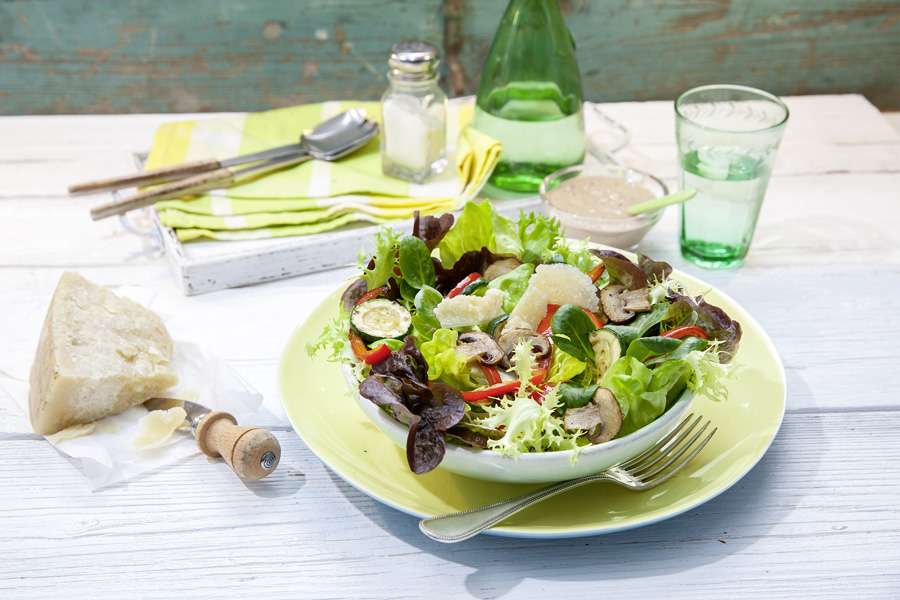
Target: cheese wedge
x,y
98,355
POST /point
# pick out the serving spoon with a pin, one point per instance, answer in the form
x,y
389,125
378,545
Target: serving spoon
x,y
330,140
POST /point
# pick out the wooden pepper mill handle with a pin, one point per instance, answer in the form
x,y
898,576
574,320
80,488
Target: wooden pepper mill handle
x,y
251,452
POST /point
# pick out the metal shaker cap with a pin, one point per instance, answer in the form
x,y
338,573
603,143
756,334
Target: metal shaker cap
x,y
412,60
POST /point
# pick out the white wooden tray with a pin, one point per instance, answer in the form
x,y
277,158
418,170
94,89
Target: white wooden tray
x,y
206,266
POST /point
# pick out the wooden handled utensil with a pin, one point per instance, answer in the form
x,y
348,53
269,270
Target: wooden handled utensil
x,y
322,145
327,131
251,452
219,178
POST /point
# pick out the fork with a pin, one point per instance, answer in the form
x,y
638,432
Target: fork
x,y
642,472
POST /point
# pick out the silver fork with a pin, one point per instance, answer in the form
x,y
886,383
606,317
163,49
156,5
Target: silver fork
x,y
642,472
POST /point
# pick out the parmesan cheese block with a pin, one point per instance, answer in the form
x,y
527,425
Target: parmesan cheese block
x,y
98,355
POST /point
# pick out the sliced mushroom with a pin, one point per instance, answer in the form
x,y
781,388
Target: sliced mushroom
x,y
509,339
611,297
585,418
601,418
610,416
501,267
637,300
476,344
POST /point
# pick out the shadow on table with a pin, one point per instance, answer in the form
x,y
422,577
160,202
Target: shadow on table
x,y
723,526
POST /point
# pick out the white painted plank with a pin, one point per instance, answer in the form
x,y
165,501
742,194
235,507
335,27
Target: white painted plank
x,y
835,119
894,119
52,152
805,220
817,519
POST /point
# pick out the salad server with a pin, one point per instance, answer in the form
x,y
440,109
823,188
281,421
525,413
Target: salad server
x,y
338,125
331,140
251,452
643,472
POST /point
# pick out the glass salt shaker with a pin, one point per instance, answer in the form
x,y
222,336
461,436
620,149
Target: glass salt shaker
x,y
414,114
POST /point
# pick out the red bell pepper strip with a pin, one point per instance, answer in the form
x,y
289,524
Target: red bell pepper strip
x,y
508,387
596,272
370,357
469,279
598,323
491,374
372,294
540,374
687,331
501,389
538,394
544,326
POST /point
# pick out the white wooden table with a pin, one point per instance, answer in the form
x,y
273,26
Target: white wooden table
x,y
819,517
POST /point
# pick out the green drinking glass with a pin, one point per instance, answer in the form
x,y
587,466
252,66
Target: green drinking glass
x,y
727,138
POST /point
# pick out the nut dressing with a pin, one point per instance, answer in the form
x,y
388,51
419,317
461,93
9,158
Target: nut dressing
x,y
597,197
594,206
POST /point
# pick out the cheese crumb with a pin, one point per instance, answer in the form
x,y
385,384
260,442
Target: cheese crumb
x,y
464,311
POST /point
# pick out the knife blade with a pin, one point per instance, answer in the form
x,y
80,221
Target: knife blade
x,y
251,452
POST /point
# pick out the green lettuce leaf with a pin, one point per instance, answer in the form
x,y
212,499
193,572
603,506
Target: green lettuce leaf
x,y
641,324
564,367
514,284
644,394
574,396
538,235
416,266
708,373
444,362
424,322
386,242
644,348
577,254
528,426
334,344
571,332
478,226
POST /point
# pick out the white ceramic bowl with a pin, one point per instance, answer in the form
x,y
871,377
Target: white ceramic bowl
x,y
544,467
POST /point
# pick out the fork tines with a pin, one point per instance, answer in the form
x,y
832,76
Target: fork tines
x,y
671,453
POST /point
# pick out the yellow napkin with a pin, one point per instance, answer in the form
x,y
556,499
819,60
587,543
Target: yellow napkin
x,y
315,196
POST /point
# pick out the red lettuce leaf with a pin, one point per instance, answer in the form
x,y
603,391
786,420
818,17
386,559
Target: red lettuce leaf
x,y
425,447
654,269
685,310
432,230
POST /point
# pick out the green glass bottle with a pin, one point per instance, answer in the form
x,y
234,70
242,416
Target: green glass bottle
x,y
530,95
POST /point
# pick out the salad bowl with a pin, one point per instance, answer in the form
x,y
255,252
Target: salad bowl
x,y
543,467
505,352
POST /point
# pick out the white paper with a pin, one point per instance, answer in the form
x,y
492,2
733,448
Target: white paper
x,y
106,455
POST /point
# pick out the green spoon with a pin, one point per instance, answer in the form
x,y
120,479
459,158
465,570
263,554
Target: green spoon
x,y
657,203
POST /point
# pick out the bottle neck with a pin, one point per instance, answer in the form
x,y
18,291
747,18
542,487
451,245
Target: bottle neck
x,y
545,9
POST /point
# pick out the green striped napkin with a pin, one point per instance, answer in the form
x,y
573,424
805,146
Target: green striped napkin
x,y
315,196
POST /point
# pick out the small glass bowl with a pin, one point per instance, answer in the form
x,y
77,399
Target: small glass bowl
x,y
625,232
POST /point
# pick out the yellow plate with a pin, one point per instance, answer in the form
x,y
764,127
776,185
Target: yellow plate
x,y
331,424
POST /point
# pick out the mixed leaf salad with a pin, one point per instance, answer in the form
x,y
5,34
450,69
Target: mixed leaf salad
x,y
506,336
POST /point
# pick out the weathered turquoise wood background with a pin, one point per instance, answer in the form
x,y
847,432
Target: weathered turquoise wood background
x,y
104,56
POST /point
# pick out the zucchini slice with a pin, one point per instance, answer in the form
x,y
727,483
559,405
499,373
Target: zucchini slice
x,y
473,287
380,319
607,349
